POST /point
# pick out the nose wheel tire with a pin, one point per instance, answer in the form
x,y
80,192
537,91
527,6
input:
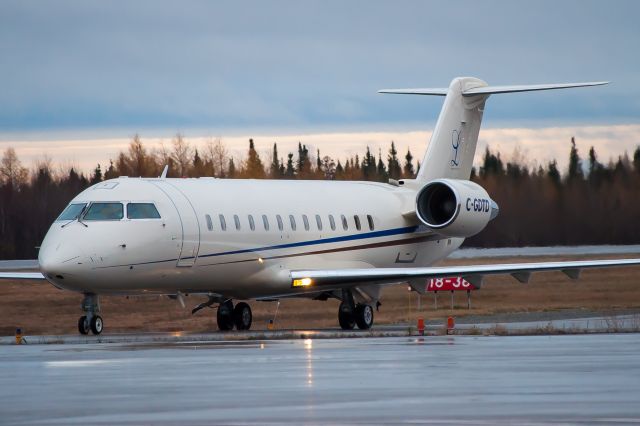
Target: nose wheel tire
x,y
242,316
225,316
345,317
83,325
96,324
364,316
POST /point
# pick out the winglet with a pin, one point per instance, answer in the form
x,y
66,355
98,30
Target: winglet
x,y
164,172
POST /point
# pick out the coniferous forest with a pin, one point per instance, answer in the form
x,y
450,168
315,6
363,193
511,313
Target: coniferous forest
x,y
592,202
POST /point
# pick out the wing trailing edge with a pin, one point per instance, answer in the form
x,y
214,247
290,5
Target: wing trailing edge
x,y
317,278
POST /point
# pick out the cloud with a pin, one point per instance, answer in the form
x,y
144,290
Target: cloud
x,y
292,65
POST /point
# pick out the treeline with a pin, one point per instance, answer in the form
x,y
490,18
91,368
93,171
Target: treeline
x,y
592,202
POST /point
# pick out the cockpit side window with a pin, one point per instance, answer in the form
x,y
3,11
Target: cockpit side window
x,y
104,211
142,211
71,212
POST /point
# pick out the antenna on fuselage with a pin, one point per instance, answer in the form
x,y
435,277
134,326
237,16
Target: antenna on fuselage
x,y
164,172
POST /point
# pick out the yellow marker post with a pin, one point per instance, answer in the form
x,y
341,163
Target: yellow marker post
x,y
18,336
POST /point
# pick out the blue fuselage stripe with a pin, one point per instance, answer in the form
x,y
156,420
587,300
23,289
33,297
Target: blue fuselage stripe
x,y
374,234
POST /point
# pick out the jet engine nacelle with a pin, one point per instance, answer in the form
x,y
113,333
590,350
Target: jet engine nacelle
x,y
455,208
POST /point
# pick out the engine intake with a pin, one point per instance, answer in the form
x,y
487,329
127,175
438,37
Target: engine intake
x,y
455,208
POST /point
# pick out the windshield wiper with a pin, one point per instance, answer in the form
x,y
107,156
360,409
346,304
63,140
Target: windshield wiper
x,y
78,218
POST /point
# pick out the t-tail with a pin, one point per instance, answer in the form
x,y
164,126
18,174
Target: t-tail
x,y
453,142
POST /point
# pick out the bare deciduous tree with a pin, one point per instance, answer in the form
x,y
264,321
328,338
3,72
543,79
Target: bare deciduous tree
x,y
12,173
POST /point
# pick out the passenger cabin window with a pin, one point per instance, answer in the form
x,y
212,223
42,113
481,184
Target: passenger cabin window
x,y
370,220
265,222
305,219
72,211
356,219
104,211
345,225
236,219
319,222
293,222
223,222
280,224
142,211
209,222
252,224
332,222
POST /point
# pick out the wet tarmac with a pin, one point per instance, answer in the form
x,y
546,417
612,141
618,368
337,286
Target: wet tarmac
x,y
434,380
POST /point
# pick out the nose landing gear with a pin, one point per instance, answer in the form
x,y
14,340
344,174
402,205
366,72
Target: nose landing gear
x,y
91,321
228,316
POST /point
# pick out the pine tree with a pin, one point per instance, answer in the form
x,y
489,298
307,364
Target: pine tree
x,y
595,168
575,163
394,169
111,172
303,165
636,159
97,175
198,169
491,164
231,169
381,170
290,171
553,173
369,166
339,170
254,168
274,169
347,167
409,171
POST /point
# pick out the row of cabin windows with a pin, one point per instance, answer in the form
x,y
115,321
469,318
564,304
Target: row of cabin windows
x,y
292,222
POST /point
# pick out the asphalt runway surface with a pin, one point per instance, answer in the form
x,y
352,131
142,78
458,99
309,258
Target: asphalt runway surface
x,y
434,380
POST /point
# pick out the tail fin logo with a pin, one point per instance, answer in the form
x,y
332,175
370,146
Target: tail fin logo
x,y
456,141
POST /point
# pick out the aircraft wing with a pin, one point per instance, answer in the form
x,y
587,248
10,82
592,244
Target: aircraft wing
x,y
21,276
336,278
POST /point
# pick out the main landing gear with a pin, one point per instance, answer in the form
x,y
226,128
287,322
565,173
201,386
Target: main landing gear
x,y
351,314
229,316
91,320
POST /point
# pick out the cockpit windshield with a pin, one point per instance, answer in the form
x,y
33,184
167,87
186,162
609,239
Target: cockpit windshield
x,y
104,211
71,212
142,211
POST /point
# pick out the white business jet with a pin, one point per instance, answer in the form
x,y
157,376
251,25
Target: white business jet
x,y
270,239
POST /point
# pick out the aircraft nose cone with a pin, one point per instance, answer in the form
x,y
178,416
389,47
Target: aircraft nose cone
x,y
56,259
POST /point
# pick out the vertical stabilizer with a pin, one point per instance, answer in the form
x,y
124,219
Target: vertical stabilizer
x,y
453,142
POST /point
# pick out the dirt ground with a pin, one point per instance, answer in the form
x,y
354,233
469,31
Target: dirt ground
x,y
40,308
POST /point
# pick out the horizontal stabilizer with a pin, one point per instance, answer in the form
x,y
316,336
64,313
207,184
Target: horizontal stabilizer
x,y
434,92
492,90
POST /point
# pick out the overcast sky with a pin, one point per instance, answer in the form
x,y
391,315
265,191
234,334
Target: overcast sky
x,y
107,69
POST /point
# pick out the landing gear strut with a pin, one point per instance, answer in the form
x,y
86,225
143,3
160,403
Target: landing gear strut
x,y
228,316
91,320
350,314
